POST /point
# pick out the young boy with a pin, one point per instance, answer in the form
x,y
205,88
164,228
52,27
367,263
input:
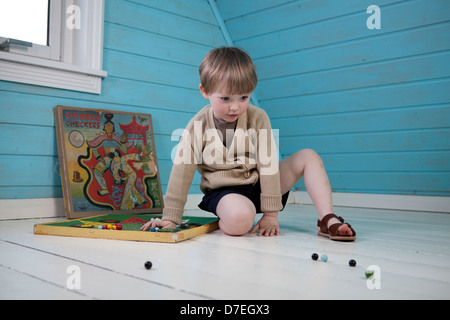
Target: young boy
x,y
231,144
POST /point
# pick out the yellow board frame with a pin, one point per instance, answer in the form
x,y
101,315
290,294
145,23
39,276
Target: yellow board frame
x,y
148,236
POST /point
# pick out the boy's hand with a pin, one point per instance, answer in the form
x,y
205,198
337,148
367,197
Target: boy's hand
x,y
165,224
268,225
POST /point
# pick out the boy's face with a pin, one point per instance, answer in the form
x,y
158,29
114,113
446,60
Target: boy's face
x,y
227,107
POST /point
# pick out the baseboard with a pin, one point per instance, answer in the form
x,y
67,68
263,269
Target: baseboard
x,y
31,208
383,201
54,207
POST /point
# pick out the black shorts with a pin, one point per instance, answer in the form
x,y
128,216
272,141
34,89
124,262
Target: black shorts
x,y
253,192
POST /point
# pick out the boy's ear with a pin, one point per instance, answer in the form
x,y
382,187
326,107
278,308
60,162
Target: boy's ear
x,y
202,90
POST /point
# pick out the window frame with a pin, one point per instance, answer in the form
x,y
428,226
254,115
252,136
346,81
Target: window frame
x,y
73,60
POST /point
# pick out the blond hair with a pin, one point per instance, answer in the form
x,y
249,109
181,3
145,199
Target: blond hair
x,y
228,69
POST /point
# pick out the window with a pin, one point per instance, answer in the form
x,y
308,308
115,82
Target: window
x,y
31,27
28,25
55,43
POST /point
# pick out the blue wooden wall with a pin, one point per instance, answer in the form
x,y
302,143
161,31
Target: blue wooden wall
x,y
152,50
373,103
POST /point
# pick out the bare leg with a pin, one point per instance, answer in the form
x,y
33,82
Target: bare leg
x,y
307,163
237,214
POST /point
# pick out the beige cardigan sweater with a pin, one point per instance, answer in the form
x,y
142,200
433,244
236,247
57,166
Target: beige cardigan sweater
x,y
251,156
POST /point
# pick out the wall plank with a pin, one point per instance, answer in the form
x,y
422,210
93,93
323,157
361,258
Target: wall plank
x,y
434,38
418,93
374,103
292,14
390,141
156,21
397,71
400,16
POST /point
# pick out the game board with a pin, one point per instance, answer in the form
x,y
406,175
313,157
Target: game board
x,y
107,161
130,224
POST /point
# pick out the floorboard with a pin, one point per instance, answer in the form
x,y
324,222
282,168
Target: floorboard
x,y
411,250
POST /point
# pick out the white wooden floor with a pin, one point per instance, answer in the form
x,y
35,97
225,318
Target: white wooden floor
x,y
411,249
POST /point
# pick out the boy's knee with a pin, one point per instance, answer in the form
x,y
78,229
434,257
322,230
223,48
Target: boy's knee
x,y
238,222
311,156
309,153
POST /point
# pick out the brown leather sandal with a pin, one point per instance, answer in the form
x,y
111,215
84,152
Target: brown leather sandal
x,y
331,232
